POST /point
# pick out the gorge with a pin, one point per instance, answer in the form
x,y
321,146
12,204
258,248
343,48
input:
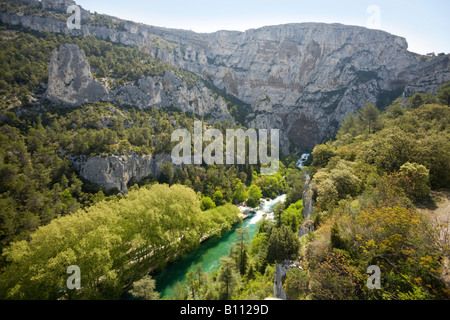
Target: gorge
x,y
303,79
93,172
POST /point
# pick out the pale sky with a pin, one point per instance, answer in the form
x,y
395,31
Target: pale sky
x,y
424,24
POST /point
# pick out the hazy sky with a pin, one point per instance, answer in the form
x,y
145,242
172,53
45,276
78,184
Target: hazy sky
x,y
425,24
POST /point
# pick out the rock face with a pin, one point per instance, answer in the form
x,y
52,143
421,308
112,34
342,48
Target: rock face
x,y
60,5
117,171
71,83
308,202
315,74
70,79
280,272
171,91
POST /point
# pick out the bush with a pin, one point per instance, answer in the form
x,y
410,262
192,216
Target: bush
x,y
207,204
415,180
283,244
254,195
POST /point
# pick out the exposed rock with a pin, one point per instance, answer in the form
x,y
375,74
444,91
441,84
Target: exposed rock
x,y
315,74
117,171
171,91
308,202
70,79
307,227
280,272
60,5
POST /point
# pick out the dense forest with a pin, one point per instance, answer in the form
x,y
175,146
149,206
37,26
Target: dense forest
x,y
43,198
369,185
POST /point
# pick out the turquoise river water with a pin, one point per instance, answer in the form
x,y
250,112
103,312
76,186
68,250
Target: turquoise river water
x,y
210,251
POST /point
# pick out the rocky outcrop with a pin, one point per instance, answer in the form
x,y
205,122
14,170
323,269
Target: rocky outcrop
x,y
60,5
307,227
115,172
70,79
280,273
71,83
171,91
315,74
308,201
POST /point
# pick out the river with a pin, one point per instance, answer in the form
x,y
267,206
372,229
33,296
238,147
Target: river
x,y
210,251
301,162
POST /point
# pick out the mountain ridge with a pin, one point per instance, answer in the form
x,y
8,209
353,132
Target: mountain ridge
x,y
315,74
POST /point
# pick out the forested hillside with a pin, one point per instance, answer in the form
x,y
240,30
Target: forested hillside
x,y
369,183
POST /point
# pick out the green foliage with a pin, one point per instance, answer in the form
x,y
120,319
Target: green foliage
x,y
322,153
228,278
366,185
415,180
218,198
283,244
337,181
292,216
369,116
240,193
296,284
207,204
254,194
295,179
112,243
239,251
416,101
444,94
167,173
145,289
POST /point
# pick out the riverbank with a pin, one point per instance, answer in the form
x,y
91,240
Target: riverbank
x,y
210,251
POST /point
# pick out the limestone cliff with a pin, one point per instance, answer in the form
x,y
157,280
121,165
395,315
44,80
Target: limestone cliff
x,y
117,171
71,83
315,74
70,79
171,91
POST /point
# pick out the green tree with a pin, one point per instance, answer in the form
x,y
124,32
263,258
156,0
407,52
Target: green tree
x,y
327,194
218,198
180,292
192,283
167,173
278,211
207,204
227,277
292,216
369,115
283,244
416,101
240,193
444,94
296,284
254,196
241,249
336,240
145,289
415,180
322,153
